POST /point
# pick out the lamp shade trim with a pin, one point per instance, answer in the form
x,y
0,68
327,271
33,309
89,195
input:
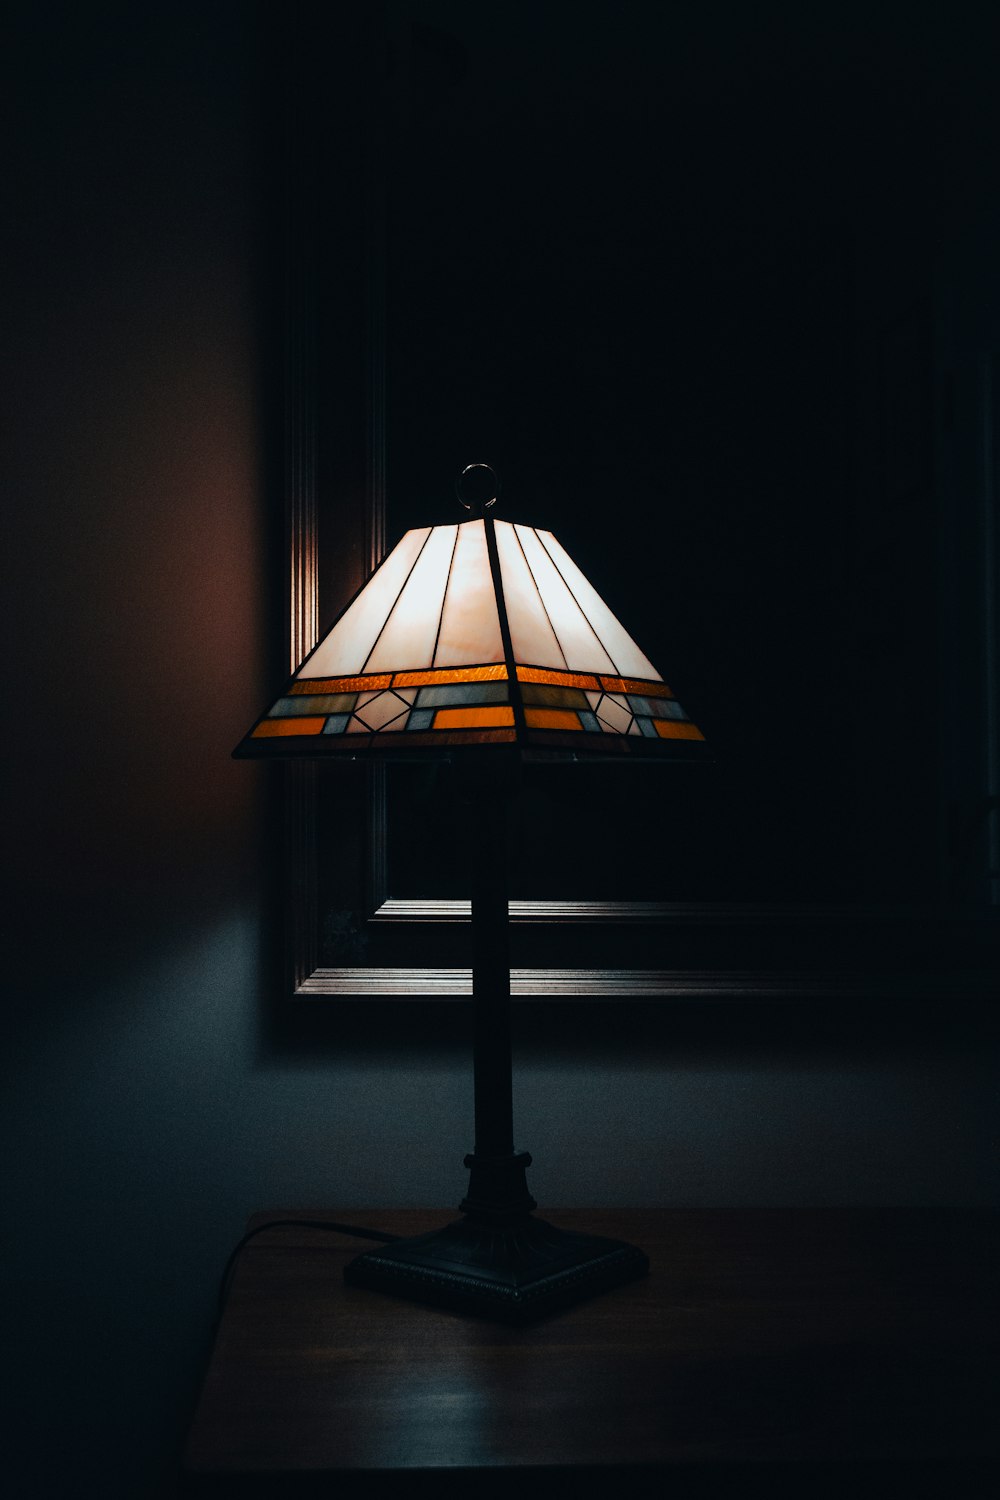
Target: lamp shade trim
x,y
480,633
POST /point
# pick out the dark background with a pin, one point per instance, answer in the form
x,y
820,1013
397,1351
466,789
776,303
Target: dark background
x,y
692,278
714,286
626,241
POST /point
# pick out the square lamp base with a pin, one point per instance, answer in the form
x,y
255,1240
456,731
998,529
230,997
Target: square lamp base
x,y
512,1273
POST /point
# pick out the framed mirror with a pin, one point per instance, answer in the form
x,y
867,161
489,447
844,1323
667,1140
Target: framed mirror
x,y
681,304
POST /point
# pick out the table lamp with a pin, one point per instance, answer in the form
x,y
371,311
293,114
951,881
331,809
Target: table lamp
x,y
482,643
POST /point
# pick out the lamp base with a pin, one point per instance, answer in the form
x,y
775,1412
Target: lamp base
x,y
512,1272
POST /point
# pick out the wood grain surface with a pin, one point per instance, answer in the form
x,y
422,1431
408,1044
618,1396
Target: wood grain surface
x,y
761,1335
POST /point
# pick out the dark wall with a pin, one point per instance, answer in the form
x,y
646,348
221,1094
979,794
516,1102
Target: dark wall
x,y
151,1102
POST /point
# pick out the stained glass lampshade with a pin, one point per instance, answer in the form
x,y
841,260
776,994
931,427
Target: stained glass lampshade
x,y
480,633
483,642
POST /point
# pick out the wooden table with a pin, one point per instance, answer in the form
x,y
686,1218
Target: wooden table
x,y
786,1342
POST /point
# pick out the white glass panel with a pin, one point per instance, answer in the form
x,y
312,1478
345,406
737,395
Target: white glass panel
x,y
618,718
530,632
580,646
407,642
629,660
342,653
382,708
593,699
470,624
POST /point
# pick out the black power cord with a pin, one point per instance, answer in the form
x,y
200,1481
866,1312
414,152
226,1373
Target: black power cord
x,y
352,1229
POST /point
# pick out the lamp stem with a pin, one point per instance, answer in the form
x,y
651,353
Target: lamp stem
x,y
491,979
497,1186
499,1260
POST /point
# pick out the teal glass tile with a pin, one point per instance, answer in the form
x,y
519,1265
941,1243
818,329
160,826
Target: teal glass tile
x,y
336,724
656,708
313,703
646,725
668,708
590,721
452,694
420,718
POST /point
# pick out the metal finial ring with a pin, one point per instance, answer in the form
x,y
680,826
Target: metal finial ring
x,y
481,490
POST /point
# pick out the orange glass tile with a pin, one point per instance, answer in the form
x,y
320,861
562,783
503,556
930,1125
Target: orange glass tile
x,y
474,718
268,728
636,685
557,679
341,684
677,729
551,718
450,674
